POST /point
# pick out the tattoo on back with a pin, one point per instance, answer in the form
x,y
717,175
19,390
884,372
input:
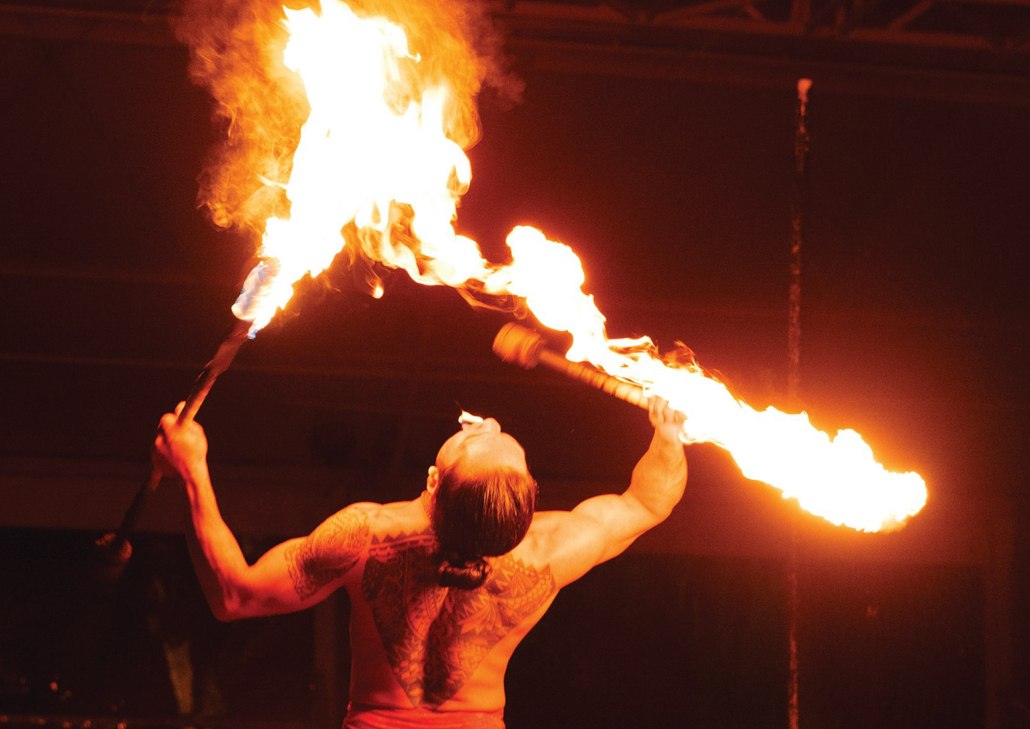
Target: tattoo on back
x,y
327,553
435,637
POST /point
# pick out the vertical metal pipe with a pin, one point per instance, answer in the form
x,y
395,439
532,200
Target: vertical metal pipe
x,y
797,220
797,231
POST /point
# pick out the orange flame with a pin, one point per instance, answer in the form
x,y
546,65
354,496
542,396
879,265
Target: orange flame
x,y
379,163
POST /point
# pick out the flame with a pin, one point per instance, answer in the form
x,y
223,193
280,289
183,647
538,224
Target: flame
x,y
836,478
373,141
379,164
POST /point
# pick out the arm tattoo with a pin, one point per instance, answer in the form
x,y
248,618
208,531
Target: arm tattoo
x,y
327,553
435,638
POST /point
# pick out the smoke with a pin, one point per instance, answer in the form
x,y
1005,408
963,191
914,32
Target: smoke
x,y
236,51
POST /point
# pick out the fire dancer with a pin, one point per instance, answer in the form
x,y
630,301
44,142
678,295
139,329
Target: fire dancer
x,y
443,587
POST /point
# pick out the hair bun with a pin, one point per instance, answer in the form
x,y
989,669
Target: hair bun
x,y
463,574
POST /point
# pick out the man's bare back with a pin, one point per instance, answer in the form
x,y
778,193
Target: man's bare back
x,y
415,643
425,653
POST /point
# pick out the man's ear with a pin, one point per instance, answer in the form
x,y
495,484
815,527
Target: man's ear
x,y
433,479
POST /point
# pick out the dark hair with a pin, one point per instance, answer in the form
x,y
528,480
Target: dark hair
x,y
479,517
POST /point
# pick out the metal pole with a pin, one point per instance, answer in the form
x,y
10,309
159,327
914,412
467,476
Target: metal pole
x,y
797,219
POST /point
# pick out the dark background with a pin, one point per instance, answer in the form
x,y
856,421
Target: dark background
x,y
662,152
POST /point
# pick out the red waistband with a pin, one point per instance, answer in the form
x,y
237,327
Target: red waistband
x,y
376,717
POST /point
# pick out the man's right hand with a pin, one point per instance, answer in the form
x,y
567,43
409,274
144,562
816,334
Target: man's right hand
x,y
667,422
179,447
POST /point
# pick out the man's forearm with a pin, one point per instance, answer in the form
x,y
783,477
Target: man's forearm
x,y
216,554
660,476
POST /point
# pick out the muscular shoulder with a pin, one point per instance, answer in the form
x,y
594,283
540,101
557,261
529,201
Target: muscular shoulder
x,y
330,552
565,542
333,552
376,522
545,534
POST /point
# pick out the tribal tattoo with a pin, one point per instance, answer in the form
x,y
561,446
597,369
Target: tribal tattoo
x,y
436,637
327,553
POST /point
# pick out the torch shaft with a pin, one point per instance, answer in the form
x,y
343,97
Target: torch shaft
x,y
592,376
224,355
516,343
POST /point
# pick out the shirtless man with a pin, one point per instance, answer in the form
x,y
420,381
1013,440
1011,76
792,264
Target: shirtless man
x,y
443,587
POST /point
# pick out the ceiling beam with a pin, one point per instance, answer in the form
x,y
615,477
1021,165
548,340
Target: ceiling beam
x,y
739,42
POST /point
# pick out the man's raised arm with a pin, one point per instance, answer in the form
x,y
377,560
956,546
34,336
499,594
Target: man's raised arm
x,y
603,527
289,577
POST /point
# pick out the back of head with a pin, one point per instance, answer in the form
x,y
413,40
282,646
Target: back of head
x,y
482,516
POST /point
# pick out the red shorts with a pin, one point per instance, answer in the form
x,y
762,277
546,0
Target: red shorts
x,y
370,717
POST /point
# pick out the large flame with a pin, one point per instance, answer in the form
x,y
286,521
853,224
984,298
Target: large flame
x,y
378,164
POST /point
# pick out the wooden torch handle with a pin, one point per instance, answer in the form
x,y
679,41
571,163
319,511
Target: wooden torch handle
x,y
524,347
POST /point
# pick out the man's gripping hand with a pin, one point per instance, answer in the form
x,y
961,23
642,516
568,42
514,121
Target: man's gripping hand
x,y
667,422
179,448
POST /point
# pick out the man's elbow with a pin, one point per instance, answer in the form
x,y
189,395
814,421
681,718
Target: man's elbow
x,y
655,510
227,609
223,616
661,511
223,613
661,508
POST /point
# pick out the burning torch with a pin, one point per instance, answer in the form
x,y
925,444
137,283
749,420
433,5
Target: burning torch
x,y
115,545
835,478
516,344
